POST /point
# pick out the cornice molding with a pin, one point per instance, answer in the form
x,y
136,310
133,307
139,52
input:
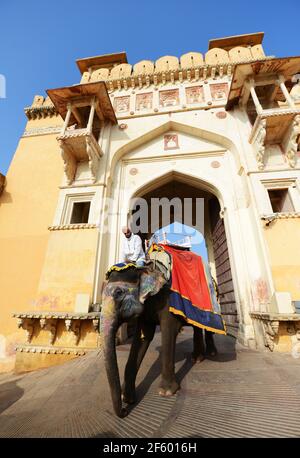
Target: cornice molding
x,y
45,111
66,227
51,350
57,315
42,131
186,74
289,215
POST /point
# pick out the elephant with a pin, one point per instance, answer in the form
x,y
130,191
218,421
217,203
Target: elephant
x,y
142,294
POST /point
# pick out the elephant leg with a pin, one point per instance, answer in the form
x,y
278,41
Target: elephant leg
x,y
199,350
211,349
142,338
170,327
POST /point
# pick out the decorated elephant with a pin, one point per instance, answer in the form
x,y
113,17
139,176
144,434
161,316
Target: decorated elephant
x,y
143,294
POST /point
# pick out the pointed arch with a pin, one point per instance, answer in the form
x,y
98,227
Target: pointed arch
x,y
193,180
191,129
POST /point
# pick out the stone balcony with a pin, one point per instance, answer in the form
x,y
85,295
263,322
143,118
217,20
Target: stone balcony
x,y
79,145
276,126
85,108
262,90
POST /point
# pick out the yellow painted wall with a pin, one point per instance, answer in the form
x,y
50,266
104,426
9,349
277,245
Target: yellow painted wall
x,y
68,269
283,237
27,208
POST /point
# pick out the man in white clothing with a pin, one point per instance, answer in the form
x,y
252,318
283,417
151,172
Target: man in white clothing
x,y
132,249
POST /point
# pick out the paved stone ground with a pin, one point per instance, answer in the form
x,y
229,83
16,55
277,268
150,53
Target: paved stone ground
x,y
239,393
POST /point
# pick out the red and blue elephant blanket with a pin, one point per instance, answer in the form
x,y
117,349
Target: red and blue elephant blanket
x,y
193,294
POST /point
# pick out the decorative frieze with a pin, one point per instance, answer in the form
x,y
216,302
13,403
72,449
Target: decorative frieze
x,y
56,315
50,350
42,131
288,215
171,75
67,227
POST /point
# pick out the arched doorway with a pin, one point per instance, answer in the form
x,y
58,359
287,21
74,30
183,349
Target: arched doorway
x,y
177,186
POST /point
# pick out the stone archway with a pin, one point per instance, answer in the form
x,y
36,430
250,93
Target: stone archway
x,y
175,185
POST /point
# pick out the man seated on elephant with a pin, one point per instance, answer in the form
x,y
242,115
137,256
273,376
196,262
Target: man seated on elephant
x,y
132,248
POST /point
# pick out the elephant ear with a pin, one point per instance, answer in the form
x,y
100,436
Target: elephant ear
x,y
151,282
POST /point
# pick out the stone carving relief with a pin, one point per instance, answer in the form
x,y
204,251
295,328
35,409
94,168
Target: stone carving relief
x,y
271,329
169,98
143,101
259,143
194,94
170,141
121,104
219,91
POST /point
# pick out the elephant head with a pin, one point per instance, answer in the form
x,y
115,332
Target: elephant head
x,y
123,299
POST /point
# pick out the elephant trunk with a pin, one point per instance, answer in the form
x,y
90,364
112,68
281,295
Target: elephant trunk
x,y
112,371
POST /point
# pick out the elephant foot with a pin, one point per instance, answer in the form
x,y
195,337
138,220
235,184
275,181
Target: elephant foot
x,y
197,358
128,398
168,389
123,413
211,350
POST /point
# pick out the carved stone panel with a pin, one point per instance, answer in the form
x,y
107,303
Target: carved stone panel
x,y
169,98
170,141
194,94
219,91
121,104
143,101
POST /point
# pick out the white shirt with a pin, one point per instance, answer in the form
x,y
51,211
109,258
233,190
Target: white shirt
x,y
131,249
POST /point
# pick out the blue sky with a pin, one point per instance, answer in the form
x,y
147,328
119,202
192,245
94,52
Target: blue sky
x,y
40,40
177,231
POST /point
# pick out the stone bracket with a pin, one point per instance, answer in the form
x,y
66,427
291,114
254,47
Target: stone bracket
x,y
74,327
49,321
290,145
28,325
258,142
69,143
271,322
